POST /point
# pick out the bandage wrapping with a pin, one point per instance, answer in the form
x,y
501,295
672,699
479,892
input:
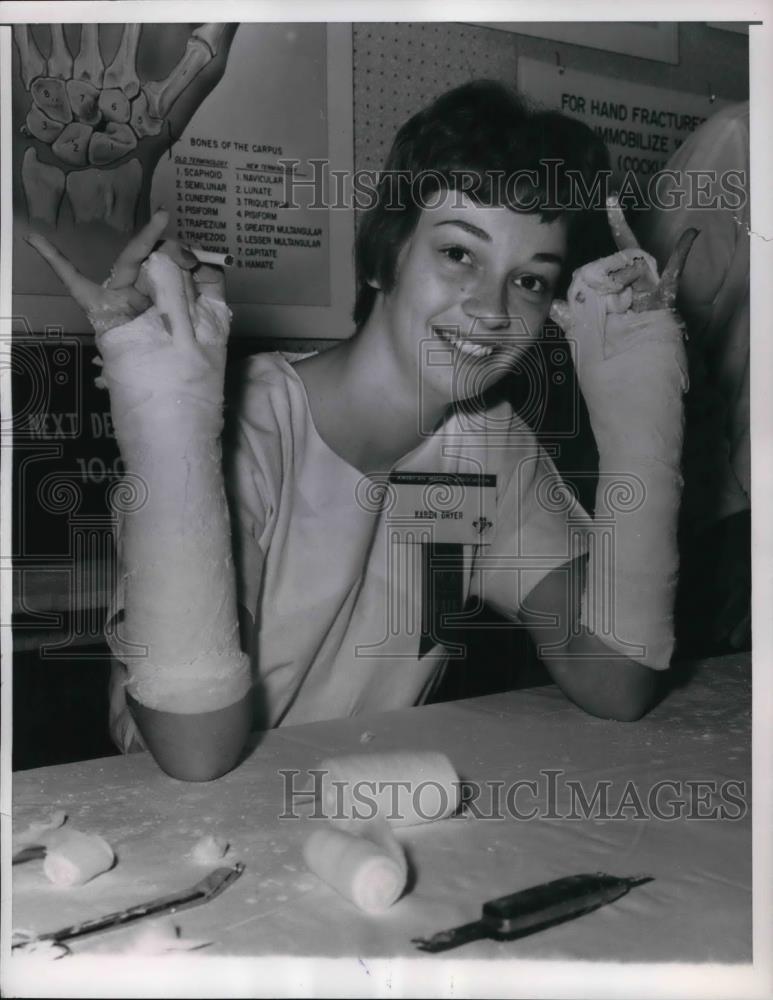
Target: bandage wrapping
x,y
179,638
141,370
632,370
180,629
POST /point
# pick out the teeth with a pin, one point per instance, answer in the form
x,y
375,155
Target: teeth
x,y
476,350
467,347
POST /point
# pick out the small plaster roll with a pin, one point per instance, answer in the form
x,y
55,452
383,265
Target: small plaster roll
x,y
73,857
209,850
361,870
403,788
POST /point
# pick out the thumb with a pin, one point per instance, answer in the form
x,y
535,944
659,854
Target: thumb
x,y
561,313
669,280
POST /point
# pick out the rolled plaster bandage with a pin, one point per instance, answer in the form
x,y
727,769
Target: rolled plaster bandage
x,y
73,857
208,850
632,370
369,874
402,788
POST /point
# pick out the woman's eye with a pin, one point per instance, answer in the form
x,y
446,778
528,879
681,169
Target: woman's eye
x,y
532,283
456,254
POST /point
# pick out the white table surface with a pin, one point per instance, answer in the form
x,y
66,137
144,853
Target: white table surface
x,y
697,909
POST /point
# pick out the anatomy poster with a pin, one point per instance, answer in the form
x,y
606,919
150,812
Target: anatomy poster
x,y
219,123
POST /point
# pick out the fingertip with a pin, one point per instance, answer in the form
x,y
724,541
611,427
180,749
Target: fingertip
x,y
37,242
559,313
159,221
691,235
615,212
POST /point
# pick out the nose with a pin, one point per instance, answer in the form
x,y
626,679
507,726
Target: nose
x,y
487,305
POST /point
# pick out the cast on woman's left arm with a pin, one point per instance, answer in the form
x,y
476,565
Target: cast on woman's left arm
x,y
605,637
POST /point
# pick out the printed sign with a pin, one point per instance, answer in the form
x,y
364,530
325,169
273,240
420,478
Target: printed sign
x,y
642,126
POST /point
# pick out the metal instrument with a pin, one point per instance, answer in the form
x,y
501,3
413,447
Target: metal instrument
x,y
535,909
202,892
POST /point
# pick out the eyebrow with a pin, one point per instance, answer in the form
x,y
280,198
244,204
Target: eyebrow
x,y
467,227
547,258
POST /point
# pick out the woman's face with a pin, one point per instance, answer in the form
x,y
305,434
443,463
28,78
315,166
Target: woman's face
x,y
473,287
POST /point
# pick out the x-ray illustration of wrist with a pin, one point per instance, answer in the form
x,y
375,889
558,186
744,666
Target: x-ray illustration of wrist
x,y
90,125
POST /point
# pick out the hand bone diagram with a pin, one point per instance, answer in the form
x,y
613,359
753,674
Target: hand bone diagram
x,y
90,119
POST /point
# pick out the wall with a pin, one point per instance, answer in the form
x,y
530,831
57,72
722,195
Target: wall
x,y
398,68
60,705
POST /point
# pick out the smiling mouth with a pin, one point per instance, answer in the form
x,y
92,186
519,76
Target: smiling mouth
x,y
469,347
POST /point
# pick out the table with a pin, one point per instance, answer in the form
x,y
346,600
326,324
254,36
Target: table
x,y
697,909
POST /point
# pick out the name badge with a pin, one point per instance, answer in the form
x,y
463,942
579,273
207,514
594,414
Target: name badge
x,y
445,507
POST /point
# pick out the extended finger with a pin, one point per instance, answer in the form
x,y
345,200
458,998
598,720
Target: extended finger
x,y
672,271
127,265
621,231
84,292
167,288
561,314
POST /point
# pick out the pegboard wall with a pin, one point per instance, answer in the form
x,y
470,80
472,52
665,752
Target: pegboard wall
x,y
401,67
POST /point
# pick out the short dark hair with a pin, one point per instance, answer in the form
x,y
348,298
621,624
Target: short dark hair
x,y
481,138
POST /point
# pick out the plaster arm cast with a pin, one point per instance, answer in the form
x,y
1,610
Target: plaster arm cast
x,y
188,679
178,574
628,350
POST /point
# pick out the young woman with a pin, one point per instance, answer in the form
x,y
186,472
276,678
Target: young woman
x,y
459,265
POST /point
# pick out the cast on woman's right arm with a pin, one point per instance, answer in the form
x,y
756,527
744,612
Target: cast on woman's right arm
x,y
162,333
